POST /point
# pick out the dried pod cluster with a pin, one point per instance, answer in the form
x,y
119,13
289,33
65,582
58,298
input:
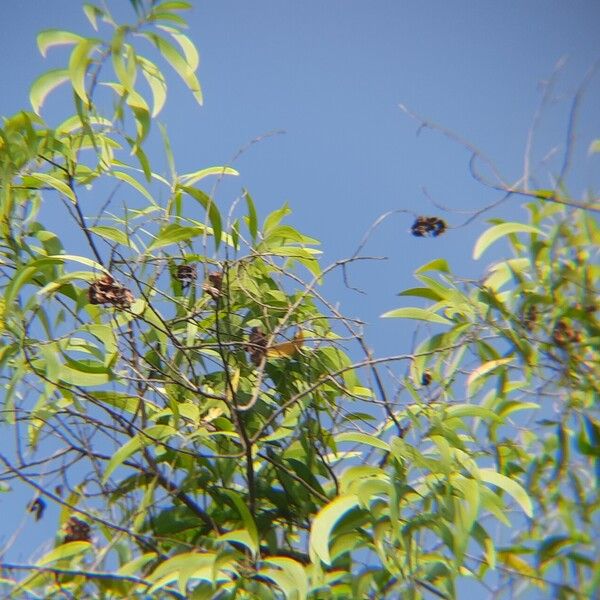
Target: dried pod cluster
x,y
530,317
424,226
37,507
107,291
213,284
76,531
257,345
186,274
564,334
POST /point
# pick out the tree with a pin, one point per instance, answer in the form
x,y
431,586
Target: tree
x,y
213,427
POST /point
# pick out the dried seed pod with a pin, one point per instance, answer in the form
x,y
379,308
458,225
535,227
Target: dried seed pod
x,y
213,284
531,317
563,334
37,507
106,291
76,531
186,273
257,345
424,226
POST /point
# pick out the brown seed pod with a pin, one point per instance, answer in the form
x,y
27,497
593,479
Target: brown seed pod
x,y
531,317
424,226
186,273
564,334
76,531
106,290
37,507
257,345
213,284
426,378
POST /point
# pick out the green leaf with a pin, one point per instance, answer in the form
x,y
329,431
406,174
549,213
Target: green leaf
x,y
214,216
149,436
80,259
78,64
497,231
57,184
134,183
55,37
172,56
484,369
511,487
357,437
157,83
115,235
44,84
438,264
420,314
92,13
459,411
190,51
246,517
192,178
68,550
421,292
294,570
252,218
324,523
173,233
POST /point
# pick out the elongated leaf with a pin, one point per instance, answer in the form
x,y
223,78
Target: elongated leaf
x,y
174,233
190,51
44,84
53,182
438,264
325,522
192,178
214,216
68,550
178,63
252,218
134,183
421,292
510,486
485,368
497,231
157,83
55,37
148,436
419,314
113,234
294,570
246,517
471,410
357,437
78,64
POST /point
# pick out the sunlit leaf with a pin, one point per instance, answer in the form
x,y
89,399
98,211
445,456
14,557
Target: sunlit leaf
x,y
419,314
324,523
44,84
488,237
510,486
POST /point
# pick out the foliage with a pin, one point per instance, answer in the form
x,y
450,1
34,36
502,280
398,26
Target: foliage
x,y
212,427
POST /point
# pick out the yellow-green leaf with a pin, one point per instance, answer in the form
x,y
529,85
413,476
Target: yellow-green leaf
x,y
497,231
324,523
55,37
44,84
419,314
510,486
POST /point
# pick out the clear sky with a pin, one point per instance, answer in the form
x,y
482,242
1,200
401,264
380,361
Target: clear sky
x,y
331,74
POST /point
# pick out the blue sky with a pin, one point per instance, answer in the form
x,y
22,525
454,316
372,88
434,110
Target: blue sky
x,y
331,74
